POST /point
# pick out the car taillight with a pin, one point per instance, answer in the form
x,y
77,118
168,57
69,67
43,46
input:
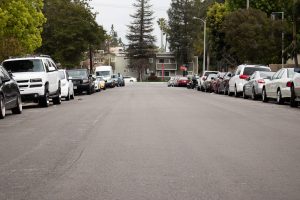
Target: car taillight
x,y
261,81
244,76
289,84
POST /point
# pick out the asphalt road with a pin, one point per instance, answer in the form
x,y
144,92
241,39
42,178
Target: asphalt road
x,y
150,142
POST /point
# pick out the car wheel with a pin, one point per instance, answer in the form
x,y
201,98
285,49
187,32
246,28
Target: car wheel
x,y
244,94
68,97
279,99
236,94
2,107
44,100
293,102
18,109
264,96
57,100
253,95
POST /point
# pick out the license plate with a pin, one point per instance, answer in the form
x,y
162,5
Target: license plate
x,y
75,87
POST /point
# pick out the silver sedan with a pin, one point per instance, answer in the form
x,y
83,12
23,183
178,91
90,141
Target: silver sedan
x,y
256,81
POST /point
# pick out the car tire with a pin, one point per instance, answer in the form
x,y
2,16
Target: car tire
x,y
253,95
293,102
19,107
244,94
279,98
44,100
68,97
264,96
236,94
2,107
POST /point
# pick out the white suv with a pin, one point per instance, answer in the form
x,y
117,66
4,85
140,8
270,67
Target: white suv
x,y
242,73
37,77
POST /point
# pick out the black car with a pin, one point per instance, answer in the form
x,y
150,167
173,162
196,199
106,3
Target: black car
x,y
82,80
10,97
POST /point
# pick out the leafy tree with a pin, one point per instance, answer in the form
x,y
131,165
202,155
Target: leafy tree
x,y
71,30
215,17
113,38
141,41
181,30
253,36
20,27
264,5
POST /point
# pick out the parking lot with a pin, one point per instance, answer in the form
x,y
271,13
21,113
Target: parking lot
x,y
148,141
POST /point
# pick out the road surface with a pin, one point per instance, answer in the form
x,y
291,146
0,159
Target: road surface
x,y
148,141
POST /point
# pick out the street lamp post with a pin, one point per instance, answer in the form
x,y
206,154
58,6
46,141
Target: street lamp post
x,y
248,4
282,38
204,43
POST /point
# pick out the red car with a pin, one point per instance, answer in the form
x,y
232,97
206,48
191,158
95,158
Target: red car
x,y
182,82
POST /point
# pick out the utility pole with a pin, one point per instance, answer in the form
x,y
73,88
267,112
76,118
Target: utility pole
x,y
248,4
91,59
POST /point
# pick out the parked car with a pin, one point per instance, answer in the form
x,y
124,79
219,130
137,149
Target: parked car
x,y
216,82
279,86
118,80
37,78
256,81
106,72
10,96
207,84
224,83
182,82
237,82
203,78
129,79
101,82
193,83
83,81
67,89
171,82
295,88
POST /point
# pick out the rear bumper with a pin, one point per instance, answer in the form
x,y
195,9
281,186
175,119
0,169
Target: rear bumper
x,y
81,87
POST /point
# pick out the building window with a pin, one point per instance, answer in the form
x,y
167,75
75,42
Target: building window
x,y
167,73
161,61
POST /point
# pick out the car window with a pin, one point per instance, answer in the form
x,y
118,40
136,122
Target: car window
x,y
266,75
52,66
62,75
292,72
250,70
78,73
1,73
30,65
276,74
280,75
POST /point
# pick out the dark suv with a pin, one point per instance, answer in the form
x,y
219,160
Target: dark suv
x,y
82,81
10,97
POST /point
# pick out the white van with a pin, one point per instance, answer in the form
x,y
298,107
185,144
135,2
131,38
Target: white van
x,y
106,72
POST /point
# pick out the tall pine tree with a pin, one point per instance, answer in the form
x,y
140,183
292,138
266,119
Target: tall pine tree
x,y
141,41
181,32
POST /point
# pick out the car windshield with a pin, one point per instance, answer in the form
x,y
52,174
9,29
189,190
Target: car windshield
x,y
250,70
103,73
62,75
31,65
77,73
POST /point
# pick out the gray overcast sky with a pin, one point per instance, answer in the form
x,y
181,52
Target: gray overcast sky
x,y
117,12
